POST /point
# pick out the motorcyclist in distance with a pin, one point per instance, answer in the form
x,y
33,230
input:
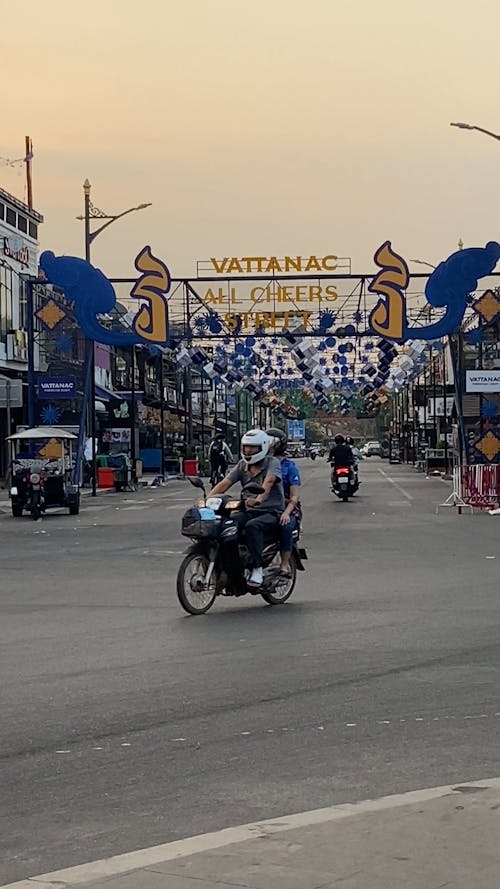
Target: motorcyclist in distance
x,y
340,453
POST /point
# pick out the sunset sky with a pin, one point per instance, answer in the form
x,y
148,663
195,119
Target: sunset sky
x,y
274,127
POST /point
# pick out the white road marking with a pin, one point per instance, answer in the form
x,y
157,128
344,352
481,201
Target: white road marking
x,y
396,485
130,861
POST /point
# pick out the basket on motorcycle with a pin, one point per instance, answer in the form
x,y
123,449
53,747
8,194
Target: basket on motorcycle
x,y
196,524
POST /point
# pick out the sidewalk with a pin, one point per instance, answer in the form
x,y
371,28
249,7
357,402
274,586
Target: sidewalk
x,y
441,837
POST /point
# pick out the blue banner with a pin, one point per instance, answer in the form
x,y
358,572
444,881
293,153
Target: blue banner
x,y
51,388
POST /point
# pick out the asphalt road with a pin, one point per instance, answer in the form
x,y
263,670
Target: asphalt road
x,y
125,723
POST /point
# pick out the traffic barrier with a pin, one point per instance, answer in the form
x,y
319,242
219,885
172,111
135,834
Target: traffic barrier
x,y
480,485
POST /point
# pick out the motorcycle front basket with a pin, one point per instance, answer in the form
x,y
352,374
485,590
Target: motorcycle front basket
x,y
194,526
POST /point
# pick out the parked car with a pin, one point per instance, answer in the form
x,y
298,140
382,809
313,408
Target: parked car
x,y
372,449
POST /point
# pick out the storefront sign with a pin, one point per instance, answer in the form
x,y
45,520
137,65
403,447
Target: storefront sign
x,y
51,388
11,393
296,430
16,249
482,381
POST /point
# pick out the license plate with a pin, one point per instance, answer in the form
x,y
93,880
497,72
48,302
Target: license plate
x,y
343,481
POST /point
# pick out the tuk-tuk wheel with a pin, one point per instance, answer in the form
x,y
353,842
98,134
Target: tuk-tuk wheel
x,y
17,510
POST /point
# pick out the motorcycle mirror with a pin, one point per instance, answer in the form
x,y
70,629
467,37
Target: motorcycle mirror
x,y
196,481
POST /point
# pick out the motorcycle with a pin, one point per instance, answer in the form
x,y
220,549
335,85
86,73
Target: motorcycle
x,y
344,482
218,564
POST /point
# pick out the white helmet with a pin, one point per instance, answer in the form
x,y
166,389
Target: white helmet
x,y
259,442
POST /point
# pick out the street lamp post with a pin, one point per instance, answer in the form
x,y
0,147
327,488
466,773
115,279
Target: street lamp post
x,y
92,212
469,126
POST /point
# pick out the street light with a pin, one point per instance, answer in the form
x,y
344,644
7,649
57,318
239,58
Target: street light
x,y
92,212
469,126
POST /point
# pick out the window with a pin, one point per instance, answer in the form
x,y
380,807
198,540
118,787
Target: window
x,y
23,285
33,230
5,301
2,211
11,216
22,223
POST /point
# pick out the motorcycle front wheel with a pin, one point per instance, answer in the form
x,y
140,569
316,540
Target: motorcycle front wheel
x,y
36,507
194,596
283,588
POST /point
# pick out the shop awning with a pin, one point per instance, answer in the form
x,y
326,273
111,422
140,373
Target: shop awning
x,y
116,394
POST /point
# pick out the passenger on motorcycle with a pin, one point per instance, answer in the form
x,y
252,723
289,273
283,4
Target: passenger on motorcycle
x,y
290,476
340,453
262,513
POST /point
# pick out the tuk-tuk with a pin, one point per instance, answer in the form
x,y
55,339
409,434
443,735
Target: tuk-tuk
x,y
41,467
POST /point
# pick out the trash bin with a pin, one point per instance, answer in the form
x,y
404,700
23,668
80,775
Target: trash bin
x,y
105,477
190,467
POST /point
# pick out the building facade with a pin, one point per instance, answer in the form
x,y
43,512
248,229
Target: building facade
x,y
18,259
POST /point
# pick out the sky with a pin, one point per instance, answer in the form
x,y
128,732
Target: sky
x,y
270,128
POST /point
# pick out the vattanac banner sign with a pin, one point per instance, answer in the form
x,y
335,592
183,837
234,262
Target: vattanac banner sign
x,y
50,388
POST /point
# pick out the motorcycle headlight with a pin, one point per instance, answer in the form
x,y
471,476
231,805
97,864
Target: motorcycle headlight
x,y
214,502
34,478
13,491
232,504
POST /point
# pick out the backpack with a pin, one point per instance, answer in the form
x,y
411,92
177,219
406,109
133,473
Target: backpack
x,y
217,448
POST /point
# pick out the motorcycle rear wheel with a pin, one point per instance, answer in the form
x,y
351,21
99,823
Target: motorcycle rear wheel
x,y
284,587
191,571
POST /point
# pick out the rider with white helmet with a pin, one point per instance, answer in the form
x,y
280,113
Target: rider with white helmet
x,y
263,512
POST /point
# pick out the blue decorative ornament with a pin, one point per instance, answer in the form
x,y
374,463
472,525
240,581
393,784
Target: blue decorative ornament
x,y
451,284
92,295
200,324
350,330
489,409
474,337
64,343
250,342
213,322
50,415
330,342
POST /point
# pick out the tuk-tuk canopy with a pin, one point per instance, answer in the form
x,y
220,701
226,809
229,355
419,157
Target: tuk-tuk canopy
x,y
41,433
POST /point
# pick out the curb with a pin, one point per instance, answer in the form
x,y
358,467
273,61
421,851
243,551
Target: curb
x,y
105,868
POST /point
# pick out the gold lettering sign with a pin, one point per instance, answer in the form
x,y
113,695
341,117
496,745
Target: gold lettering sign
x,y
270,265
